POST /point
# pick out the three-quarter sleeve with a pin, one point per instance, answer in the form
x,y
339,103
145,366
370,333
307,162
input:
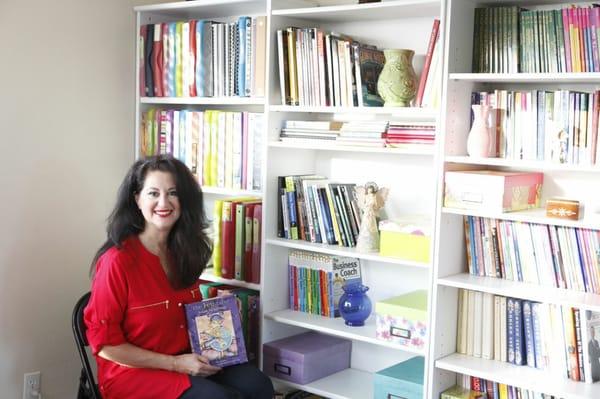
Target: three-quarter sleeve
x,y
105,311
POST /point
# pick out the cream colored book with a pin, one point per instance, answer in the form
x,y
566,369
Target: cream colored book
x,y
259,61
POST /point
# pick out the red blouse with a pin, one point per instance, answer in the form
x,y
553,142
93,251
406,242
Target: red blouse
x,y
132,301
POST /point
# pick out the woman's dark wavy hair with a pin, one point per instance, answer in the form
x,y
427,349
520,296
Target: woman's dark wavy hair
x,y
188,243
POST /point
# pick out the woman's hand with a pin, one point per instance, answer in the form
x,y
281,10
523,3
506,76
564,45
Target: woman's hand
x,y
194,364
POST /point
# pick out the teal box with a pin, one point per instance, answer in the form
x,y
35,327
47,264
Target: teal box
x,y
401,381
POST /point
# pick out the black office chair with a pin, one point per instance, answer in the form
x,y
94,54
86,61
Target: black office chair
x,y
87,382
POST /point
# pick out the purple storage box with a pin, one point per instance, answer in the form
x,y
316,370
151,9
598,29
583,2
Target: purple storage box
x,y
306,357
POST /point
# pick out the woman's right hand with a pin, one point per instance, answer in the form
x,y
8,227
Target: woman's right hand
x,y
194,364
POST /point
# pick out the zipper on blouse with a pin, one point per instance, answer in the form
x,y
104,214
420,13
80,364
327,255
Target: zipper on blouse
x,y
165,302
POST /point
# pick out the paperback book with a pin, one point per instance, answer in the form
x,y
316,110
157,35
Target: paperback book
x,y
215,330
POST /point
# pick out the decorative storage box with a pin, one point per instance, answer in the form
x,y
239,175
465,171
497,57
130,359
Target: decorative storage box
x,y
563,209
401,381
306,357
493,191
403,319
406,238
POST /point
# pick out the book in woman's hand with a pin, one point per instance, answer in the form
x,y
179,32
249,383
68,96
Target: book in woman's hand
x,y
215,330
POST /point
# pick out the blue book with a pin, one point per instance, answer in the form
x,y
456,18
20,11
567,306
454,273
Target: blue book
x,y
510,329
326,215
215,330
528,333
518,333
241,72
536,308
291,202
471,220
199,70
511,226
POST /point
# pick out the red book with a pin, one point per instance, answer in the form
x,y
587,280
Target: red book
x,y
432,41
248,234
228,240
193,92
256,233
157,61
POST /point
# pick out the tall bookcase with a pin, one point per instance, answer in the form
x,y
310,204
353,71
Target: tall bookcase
x,y
410,174
560,180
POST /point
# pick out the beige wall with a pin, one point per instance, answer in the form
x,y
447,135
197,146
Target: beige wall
x,y
66,129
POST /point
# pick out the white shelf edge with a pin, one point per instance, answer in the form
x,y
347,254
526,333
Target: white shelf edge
x,y
408,113
517,289
325,146
343,251
230,191
204,100
352,7
336,327
530,216
567,77
519,376
182,5
209,276
518,163
346,384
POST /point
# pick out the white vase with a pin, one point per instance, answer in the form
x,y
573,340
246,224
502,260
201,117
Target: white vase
x,y
479,140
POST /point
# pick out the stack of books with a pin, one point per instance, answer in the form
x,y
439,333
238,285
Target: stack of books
x,y
223,149
363,133
406,134
200,58
309,131
526,333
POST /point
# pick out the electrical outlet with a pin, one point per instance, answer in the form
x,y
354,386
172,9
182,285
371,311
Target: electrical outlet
x,y
32,384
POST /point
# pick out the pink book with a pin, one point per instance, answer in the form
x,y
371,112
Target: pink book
x,y
433,38
244,149
256,234
592,14
582,22
566,30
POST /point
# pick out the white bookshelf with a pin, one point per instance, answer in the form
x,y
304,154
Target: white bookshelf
x,y
450,263
418,150
409,114
209,275
346,384
230,192
220,101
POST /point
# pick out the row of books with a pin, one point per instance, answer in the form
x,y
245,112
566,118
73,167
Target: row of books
x,y
223,149
318,68
316,281
558,126
237,224
248,302
511,40
201,58
552,256
526,333
311,208
470,387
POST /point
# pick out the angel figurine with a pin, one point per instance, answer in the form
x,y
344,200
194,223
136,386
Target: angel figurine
x,y
370,200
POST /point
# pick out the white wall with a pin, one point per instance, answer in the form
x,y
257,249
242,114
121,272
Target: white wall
x,y
66,122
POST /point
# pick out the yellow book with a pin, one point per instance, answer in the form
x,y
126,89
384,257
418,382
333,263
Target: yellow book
x,y
216,257
503,391
207,148
293,77
228,149
178,59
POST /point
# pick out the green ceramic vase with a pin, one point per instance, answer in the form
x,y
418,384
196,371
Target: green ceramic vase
x,y
397,83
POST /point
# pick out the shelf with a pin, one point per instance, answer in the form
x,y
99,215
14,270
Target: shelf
x,y
207,9
399,113
230,192
523,164
571,77
365,12
519,376
336,326
516,289
346,384
342,251
209,275
204,100
427,150
537,215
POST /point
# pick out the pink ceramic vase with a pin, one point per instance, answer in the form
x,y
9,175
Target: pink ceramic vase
x,y
479,140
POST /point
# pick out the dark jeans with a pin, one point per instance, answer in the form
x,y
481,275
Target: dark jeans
x,y
243,381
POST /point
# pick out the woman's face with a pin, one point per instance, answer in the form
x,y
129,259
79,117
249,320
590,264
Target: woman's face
x,y
158,201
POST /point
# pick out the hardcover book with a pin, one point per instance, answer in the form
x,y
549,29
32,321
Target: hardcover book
x,y
215,330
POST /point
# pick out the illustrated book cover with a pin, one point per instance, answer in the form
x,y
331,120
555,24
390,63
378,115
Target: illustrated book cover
x,y
215,330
